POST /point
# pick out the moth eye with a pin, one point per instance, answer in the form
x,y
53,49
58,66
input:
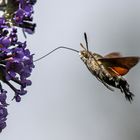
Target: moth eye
x,y
85,54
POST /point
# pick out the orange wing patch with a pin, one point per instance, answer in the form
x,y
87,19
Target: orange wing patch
x,y
119,70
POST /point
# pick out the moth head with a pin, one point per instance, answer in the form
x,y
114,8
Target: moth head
x,y
84,54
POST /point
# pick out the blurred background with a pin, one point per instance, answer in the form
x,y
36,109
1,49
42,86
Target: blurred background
x,y
65,102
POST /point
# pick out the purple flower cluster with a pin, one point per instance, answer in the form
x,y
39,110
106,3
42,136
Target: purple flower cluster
x,y
16,61
19,13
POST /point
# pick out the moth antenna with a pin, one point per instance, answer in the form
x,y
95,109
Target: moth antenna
x,y
82,46
86,40
61,47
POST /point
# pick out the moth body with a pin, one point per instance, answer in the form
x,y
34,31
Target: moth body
x,y
109,69
95,66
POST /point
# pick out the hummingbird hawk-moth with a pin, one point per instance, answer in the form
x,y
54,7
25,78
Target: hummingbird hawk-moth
x,y
108,69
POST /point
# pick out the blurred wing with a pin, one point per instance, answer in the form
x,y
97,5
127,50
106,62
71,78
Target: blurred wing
x,y
120,65
113,55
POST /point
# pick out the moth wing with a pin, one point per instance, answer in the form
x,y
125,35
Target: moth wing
x,y
120,65
117,71
113,55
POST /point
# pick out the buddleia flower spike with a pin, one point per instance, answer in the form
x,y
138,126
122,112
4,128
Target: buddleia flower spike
x,y
16,60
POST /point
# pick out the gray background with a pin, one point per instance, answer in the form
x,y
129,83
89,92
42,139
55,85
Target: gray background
x,y
65,101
